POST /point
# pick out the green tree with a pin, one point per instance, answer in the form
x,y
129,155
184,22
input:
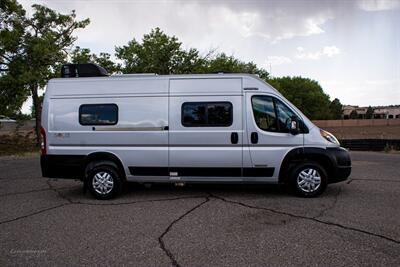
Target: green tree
x,y
12,91
229,64
370,113
336,109
305,94
163,54
83,55
158,53
353,114
32,48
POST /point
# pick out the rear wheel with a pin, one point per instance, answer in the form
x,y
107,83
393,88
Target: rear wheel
x,y
103,180
308,179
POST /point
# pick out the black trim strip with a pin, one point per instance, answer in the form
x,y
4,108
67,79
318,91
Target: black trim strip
x,y
205,171
165,145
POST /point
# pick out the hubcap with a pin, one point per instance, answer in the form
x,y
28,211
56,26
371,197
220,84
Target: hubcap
x,y
309,180
103,183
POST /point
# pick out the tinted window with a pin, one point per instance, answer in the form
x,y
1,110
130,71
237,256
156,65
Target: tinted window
x,y
264,113
273,115
206,114
98,114
284,116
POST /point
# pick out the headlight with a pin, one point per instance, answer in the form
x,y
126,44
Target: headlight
x,y
329,137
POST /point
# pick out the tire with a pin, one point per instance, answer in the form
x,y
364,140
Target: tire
x,y
308,179
103,180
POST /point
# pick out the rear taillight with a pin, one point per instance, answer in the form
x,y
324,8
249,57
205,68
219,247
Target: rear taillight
x,y
42,141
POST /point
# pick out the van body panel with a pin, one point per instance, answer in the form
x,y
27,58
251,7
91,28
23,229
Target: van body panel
x,y
150,139
207,147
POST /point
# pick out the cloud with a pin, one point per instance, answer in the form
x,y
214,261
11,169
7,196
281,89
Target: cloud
x,y
327,51
277,60
378,5
202,24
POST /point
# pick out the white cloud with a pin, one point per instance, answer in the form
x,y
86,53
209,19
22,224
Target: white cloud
x,y
327,51
277,60
204,23
378,5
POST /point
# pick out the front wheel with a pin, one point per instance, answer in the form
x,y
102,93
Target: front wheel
x,y
308,179
103,180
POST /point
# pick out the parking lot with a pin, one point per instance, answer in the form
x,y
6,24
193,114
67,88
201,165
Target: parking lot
x,y
52,222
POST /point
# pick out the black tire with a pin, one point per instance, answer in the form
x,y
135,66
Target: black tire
x,y
103,180
301,185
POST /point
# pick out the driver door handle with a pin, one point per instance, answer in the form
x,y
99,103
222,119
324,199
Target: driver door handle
x,y
254,137
234,138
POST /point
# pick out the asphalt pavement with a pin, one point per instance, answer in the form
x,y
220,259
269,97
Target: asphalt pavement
x,y
52,222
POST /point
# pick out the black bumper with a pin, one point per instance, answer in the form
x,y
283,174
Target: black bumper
x,y
63,166
341,162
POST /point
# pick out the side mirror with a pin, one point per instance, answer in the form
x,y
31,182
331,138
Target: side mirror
x,y
294,126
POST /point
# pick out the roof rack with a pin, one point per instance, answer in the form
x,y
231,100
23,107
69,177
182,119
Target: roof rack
x,y
82,70
135,75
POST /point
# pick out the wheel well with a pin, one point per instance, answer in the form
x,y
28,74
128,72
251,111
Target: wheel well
x,y
295,157
105,156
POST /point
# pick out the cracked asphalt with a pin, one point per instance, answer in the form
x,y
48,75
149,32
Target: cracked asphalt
x,y
52,222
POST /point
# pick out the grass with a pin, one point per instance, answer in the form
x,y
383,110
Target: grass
x,y
18,144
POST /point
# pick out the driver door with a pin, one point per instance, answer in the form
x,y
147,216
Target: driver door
x,y
268,136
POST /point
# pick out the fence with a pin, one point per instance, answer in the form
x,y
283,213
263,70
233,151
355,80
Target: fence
x,y
371,144
357,123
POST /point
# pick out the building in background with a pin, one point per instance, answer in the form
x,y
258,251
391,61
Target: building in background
x,y
380,112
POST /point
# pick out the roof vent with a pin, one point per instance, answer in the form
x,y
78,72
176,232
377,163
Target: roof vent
x,y
82,70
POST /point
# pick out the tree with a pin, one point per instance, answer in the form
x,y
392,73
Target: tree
x,y
83,55
163,54
33,48
158,53
12,93
229,64
305,94
370,113
353,114
336,109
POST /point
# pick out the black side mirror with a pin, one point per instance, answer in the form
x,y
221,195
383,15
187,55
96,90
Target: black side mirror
x,y
294,126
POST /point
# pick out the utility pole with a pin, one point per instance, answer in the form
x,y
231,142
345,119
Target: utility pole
x,y
270,69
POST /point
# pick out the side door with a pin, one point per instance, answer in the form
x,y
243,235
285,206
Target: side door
x,y
268,137
206,129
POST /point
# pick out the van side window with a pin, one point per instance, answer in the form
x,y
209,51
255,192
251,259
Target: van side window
x,y
98,114
264,113
273,115
284,116
207,114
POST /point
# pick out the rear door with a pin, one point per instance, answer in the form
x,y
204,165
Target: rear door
x,y
206,129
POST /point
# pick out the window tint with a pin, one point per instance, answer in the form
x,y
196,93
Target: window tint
x,y
264,113
206,114
284,116
273,115
98,114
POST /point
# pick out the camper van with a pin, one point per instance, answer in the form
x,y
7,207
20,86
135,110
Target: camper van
x,y
208,128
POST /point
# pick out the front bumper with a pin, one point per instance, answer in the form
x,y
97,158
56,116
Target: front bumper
x,y
341,161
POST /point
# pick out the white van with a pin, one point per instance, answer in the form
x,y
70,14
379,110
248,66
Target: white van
x,y
209,128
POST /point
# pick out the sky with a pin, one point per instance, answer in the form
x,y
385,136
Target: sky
x,y
352,48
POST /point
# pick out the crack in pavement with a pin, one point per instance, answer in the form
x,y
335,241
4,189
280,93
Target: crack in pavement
x,y
329,207
30,191
160,238
34,213
70,202
349,228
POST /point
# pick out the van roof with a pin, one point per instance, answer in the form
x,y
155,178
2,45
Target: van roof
x,y
154,75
